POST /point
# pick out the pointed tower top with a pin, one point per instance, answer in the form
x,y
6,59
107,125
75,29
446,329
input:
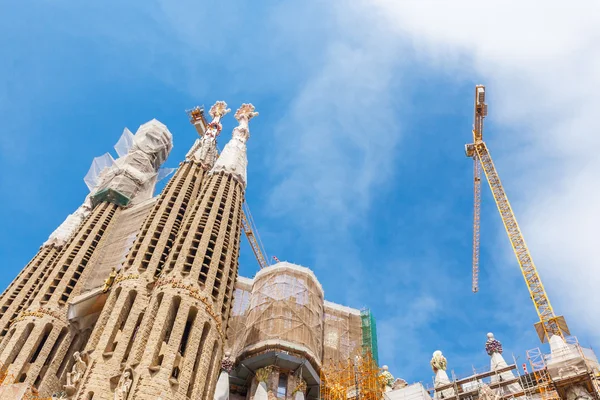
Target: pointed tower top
x,y
244,114
492,345
233,158
438,361
204,149
217,111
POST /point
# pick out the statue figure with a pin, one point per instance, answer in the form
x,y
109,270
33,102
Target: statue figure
x,y
438,362
76,374
108,282
124,385
386,378
59,396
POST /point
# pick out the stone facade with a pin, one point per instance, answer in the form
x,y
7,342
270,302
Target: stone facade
x,y
155,329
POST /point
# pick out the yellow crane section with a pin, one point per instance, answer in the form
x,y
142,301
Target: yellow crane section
x,y
196,116
549,323
254,240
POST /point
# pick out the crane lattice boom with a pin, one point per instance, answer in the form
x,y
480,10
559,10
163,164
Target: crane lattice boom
x,y
549,323
254,240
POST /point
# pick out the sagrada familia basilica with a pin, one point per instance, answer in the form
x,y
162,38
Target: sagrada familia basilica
x,y
136,296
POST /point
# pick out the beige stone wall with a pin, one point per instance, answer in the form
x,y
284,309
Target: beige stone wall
x,y
199,276
21,292
125,323
40,340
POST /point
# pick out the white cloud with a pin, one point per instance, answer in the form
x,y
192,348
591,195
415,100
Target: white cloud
x,y
541,63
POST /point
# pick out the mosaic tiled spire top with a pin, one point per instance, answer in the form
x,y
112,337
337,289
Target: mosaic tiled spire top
x,y
492,345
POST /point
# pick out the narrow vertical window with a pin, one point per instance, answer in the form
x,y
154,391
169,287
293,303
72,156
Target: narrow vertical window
x,y
282,386
192,384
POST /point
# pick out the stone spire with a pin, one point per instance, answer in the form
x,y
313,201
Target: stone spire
x,y
233,159
438,365
204,149
494,349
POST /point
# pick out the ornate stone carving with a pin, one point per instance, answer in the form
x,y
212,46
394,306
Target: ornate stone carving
x,y
386,378
124,385
263,374
244,114
59,396
206,150
492,345
486,393
438,361
227,363
399,383
578,392
300,387
74,377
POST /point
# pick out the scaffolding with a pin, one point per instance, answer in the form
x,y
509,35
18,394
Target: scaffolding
x,y
342,333
551,377
283,310
369,334
543,382
356,378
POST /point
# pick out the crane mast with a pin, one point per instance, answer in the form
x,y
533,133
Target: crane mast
x,y
196,116
549,323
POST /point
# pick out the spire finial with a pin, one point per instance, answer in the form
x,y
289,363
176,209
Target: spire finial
x,y
243,114
438,361
217,111
492,345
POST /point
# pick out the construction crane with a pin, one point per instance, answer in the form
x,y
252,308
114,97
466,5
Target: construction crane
x,y
196,116
549,324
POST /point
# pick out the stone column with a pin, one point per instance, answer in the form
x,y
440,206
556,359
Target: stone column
x,y
262,375
494,349
222,388
438,364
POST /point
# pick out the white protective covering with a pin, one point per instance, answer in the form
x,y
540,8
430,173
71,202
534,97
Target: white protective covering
x,y
133,174
125,143
63,233
233,159
136,172
565,359
99,165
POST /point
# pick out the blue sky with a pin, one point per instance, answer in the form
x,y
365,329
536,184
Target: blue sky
x,y
356,163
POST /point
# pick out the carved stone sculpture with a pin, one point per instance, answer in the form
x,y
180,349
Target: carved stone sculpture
x,y
124,385
578,392
492,345
108,282
76,374
386,378
263,374
438,362
227,363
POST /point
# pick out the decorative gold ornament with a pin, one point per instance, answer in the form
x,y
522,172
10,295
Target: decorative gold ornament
x,y
263,374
